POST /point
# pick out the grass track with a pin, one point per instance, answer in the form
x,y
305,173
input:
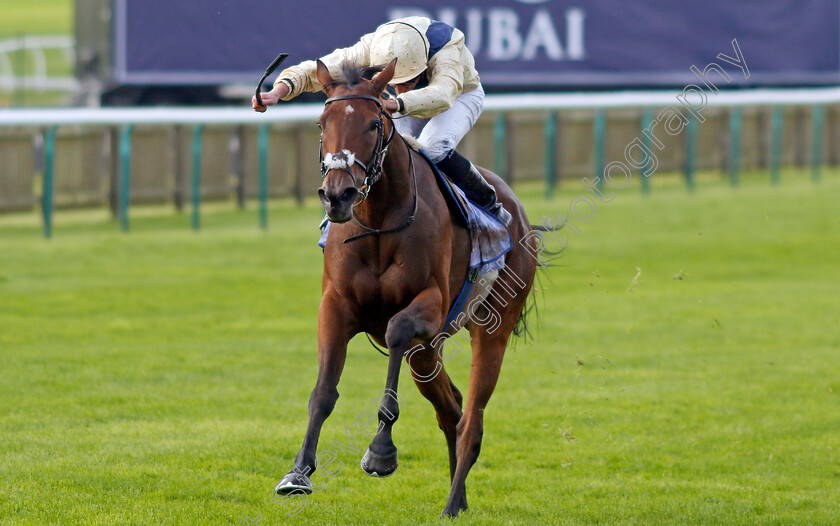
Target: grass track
x,y
161,377
36,17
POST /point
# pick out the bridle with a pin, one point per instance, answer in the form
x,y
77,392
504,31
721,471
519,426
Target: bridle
x,y
373,168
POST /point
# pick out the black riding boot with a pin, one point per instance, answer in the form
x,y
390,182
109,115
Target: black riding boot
x,y
477,189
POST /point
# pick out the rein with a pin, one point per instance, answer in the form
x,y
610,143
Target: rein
x,y
373,169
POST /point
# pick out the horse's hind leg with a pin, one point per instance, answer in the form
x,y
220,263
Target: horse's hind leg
x,y
419,320
488,350
428,373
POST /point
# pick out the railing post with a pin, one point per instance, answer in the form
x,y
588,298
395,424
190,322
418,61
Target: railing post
x,y
301,165
599,128
262,145
817,116
550,153
196,176
114,172
47,190
237,149
776,120
647,117
690,152
500,137
125,175
734,146
180,168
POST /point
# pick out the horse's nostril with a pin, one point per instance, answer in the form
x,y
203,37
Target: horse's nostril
x,y
322,195
349,194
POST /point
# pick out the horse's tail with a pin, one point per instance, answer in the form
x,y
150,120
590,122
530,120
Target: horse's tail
x,y
522,329
552,254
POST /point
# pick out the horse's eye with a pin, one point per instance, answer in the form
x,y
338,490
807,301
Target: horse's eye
x,y
374,126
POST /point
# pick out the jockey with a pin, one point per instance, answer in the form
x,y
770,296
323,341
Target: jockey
x,y
437,88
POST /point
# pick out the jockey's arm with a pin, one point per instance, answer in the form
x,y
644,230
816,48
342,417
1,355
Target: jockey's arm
x,y
303,77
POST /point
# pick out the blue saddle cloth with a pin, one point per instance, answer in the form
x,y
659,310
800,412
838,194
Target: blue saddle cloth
x,y
490,239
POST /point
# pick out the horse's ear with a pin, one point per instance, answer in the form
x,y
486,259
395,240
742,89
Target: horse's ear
x,y
384,77
324,76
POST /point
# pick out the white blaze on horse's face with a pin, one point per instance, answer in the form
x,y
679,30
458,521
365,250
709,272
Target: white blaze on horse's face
x,y
349,109
343,160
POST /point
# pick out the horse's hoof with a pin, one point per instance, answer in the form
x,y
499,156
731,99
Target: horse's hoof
x,y
378,466
292,482
447,514
452,511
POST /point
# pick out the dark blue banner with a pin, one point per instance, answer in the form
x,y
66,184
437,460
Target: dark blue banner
x,y
517,43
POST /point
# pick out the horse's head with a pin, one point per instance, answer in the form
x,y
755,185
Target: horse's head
x,y
353,135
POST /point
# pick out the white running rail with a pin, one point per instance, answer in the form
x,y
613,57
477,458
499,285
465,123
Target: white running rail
x,y
35,47
296,113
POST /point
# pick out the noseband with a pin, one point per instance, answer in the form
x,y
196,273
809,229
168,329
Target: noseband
x,y
373,168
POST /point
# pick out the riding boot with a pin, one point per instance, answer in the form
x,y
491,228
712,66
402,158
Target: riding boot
x,y
477,189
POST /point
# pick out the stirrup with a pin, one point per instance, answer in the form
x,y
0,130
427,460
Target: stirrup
x,y
501,213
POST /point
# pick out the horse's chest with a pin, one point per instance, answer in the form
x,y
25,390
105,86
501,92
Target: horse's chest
x,y
388,286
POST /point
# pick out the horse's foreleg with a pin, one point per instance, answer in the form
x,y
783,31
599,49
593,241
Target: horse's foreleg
x,y
420,320
333,334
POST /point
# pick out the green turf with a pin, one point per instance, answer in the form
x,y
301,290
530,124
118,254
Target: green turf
x,y
161,376
40,17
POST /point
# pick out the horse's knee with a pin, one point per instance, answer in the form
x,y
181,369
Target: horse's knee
x,y
323,399
399,333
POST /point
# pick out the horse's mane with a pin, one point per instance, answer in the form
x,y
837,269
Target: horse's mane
x,y
352,74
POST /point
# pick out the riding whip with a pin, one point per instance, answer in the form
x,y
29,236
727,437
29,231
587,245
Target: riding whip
x,y
274,64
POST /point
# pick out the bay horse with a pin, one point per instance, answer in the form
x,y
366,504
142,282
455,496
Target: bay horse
x,y
393,272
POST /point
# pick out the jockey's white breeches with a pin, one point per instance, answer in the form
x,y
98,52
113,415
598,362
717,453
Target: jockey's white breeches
x,y
441,134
